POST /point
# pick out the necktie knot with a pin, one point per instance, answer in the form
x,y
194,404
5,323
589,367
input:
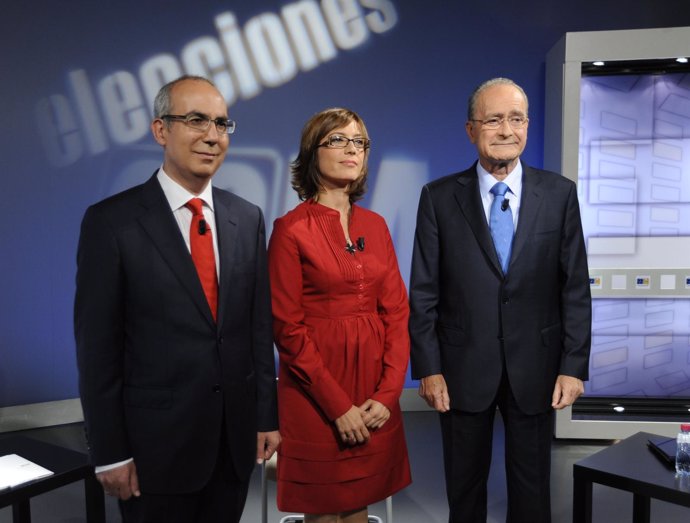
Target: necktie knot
x,y
499,189
196,206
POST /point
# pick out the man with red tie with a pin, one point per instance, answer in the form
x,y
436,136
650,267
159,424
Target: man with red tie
x,y
173,327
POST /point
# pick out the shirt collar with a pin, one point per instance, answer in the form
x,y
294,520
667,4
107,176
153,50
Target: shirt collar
x,y
178,196
487,181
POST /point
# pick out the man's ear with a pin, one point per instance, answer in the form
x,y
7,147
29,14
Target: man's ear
x,y
468,130
159,130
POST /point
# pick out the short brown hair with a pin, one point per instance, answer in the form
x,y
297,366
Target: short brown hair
x,y
306,177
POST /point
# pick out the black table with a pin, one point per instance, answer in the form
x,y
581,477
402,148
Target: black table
x,y
628,465
67,465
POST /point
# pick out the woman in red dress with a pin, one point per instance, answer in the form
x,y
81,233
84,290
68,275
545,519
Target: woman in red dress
x,y
340,324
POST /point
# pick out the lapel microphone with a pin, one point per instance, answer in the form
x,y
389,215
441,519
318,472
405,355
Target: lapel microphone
x,y
359,244
202,227
504,204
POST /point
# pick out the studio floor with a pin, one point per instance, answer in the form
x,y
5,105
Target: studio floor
x,y
422,502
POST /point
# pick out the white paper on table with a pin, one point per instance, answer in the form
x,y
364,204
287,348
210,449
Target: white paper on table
x,y
15,470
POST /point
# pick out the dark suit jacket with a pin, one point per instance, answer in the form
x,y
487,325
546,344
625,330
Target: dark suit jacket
x,y
156,374
461,304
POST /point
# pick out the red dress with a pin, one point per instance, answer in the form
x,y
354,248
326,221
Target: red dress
x,y
340,325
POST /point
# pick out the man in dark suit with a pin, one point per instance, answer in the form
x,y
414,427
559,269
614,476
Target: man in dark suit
x,y
501,323
175,356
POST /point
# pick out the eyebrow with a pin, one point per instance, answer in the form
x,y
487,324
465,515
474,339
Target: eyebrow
x,y
201,113
511,113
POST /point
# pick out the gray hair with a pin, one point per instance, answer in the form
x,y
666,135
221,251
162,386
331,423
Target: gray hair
x,y
162,103
472,102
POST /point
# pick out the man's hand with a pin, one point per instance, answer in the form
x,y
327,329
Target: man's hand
x,y
352,427
266,445
435,391
566,391
120,482
375,414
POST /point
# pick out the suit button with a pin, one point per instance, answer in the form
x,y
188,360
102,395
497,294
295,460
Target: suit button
x,y
220,340
505,301
216,388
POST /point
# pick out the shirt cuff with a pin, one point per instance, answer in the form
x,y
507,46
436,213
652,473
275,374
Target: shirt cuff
x,y
104,468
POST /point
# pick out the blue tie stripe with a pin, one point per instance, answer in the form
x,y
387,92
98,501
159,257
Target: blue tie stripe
x,y
501,225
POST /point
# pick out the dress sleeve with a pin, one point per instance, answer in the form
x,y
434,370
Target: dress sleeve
x,y
298,352
394,312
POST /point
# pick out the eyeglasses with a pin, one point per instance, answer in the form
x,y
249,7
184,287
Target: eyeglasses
x,y
515,122
201,122
338,141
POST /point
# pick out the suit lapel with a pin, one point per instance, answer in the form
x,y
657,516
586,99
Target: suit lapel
x,y
531,201
470,202
227,222
161,227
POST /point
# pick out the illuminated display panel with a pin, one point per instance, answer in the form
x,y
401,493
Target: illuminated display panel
x,y
620,131
634,182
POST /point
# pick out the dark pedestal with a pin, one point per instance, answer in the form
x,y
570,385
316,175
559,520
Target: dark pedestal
x,y
628,465
67,465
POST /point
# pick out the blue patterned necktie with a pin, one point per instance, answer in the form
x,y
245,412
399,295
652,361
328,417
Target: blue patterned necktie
x,y
501,224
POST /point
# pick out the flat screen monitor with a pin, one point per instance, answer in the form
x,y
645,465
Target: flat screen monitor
x,y
634,183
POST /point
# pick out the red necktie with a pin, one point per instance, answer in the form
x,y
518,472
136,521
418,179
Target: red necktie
x,y
202,253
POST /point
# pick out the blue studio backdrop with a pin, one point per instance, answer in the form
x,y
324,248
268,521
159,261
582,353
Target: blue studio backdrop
x,y
79,78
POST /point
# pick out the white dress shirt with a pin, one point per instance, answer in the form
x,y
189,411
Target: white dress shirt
x,y
513,195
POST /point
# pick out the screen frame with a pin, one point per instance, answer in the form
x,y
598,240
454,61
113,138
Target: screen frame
x,y
565,63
